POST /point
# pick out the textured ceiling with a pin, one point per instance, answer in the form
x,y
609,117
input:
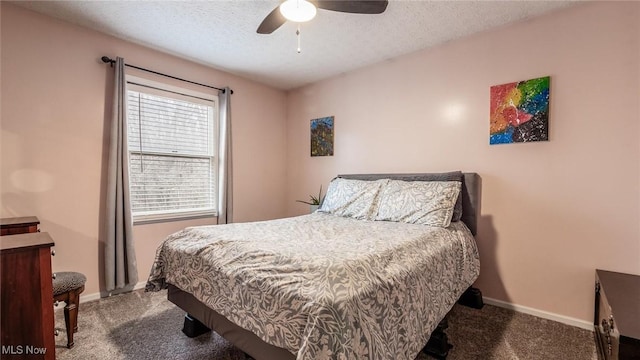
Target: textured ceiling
x,y
222,34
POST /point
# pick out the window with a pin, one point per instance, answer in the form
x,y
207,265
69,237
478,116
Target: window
x,y
172,137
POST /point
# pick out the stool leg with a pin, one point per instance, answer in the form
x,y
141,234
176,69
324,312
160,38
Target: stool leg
x,y
75,320
71,316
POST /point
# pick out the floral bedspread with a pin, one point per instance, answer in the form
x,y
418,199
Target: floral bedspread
x,y
322,286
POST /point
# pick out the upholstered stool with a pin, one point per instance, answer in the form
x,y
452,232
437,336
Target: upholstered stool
x,y
67,287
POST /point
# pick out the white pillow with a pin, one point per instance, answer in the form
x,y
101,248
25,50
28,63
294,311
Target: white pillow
x,y
418,202
352,198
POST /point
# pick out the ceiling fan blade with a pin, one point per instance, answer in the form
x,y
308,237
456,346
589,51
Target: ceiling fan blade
x,y
353,6
272,22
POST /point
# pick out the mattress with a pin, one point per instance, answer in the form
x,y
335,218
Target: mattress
x,y
323,286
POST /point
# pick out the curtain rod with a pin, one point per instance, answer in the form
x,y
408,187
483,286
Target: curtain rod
x,y
106,59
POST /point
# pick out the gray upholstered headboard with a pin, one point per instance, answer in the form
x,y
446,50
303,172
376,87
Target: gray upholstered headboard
x,y
471,190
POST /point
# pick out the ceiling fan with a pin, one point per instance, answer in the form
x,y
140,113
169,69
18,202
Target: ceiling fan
x,y
305,10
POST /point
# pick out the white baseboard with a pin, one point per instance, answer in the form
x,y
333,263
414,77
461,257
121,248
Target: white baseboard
x,y
541,314
96,296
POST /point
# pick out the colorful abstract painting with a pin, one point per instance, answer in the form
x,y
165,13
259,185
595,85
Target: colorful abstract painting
x,y
520,112
322,136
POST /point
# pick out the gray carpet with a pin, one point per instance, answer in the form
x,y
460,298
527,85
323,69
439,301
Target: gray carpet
x,y
143,325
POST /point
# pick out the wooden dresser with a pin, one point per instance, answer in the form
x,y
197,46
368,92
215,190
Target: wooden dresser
x,y
19,225
26,305
617,315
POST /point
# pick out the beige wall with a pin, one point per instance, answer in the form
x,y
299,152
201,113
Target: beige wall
x,y
552,211
54,91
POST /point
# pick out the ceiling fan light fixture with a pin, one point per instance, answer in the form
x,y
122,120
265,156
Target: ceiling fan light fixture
x,y
298,10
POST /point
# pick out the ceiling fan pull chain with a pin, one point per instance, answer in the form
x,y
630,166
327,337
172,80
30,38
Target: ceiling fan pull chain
x,y
298,36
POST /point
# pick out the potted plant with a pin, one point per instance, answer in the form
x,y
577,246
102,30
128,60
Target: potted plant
x,y
314,202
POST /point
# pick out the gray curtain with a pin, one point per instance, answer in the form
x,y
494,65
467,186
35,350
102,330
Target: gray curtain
x,y
120,260
225,168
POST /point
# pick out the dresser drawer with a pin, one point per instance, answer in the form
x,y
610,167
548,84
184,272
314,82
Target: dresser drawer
x,y
606,331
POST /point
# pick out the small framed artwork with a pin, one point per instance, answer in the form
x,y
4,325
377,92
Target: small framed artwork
x,y
520,112
322,136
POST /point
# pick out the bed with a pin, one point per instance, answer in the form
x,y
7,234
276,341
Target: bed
x,y
325,285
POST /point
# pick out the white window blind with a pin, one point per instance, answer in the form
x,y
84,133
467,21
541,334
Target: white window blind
x,y
172,164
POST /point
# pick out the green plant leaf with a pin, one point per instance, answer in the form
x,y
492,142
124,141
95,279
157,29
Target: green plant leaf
x,y
313,200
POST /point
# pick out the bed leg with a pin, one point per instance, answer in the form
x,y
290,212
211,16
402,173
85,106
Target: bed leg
x,y
193,327
438,345
472,297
